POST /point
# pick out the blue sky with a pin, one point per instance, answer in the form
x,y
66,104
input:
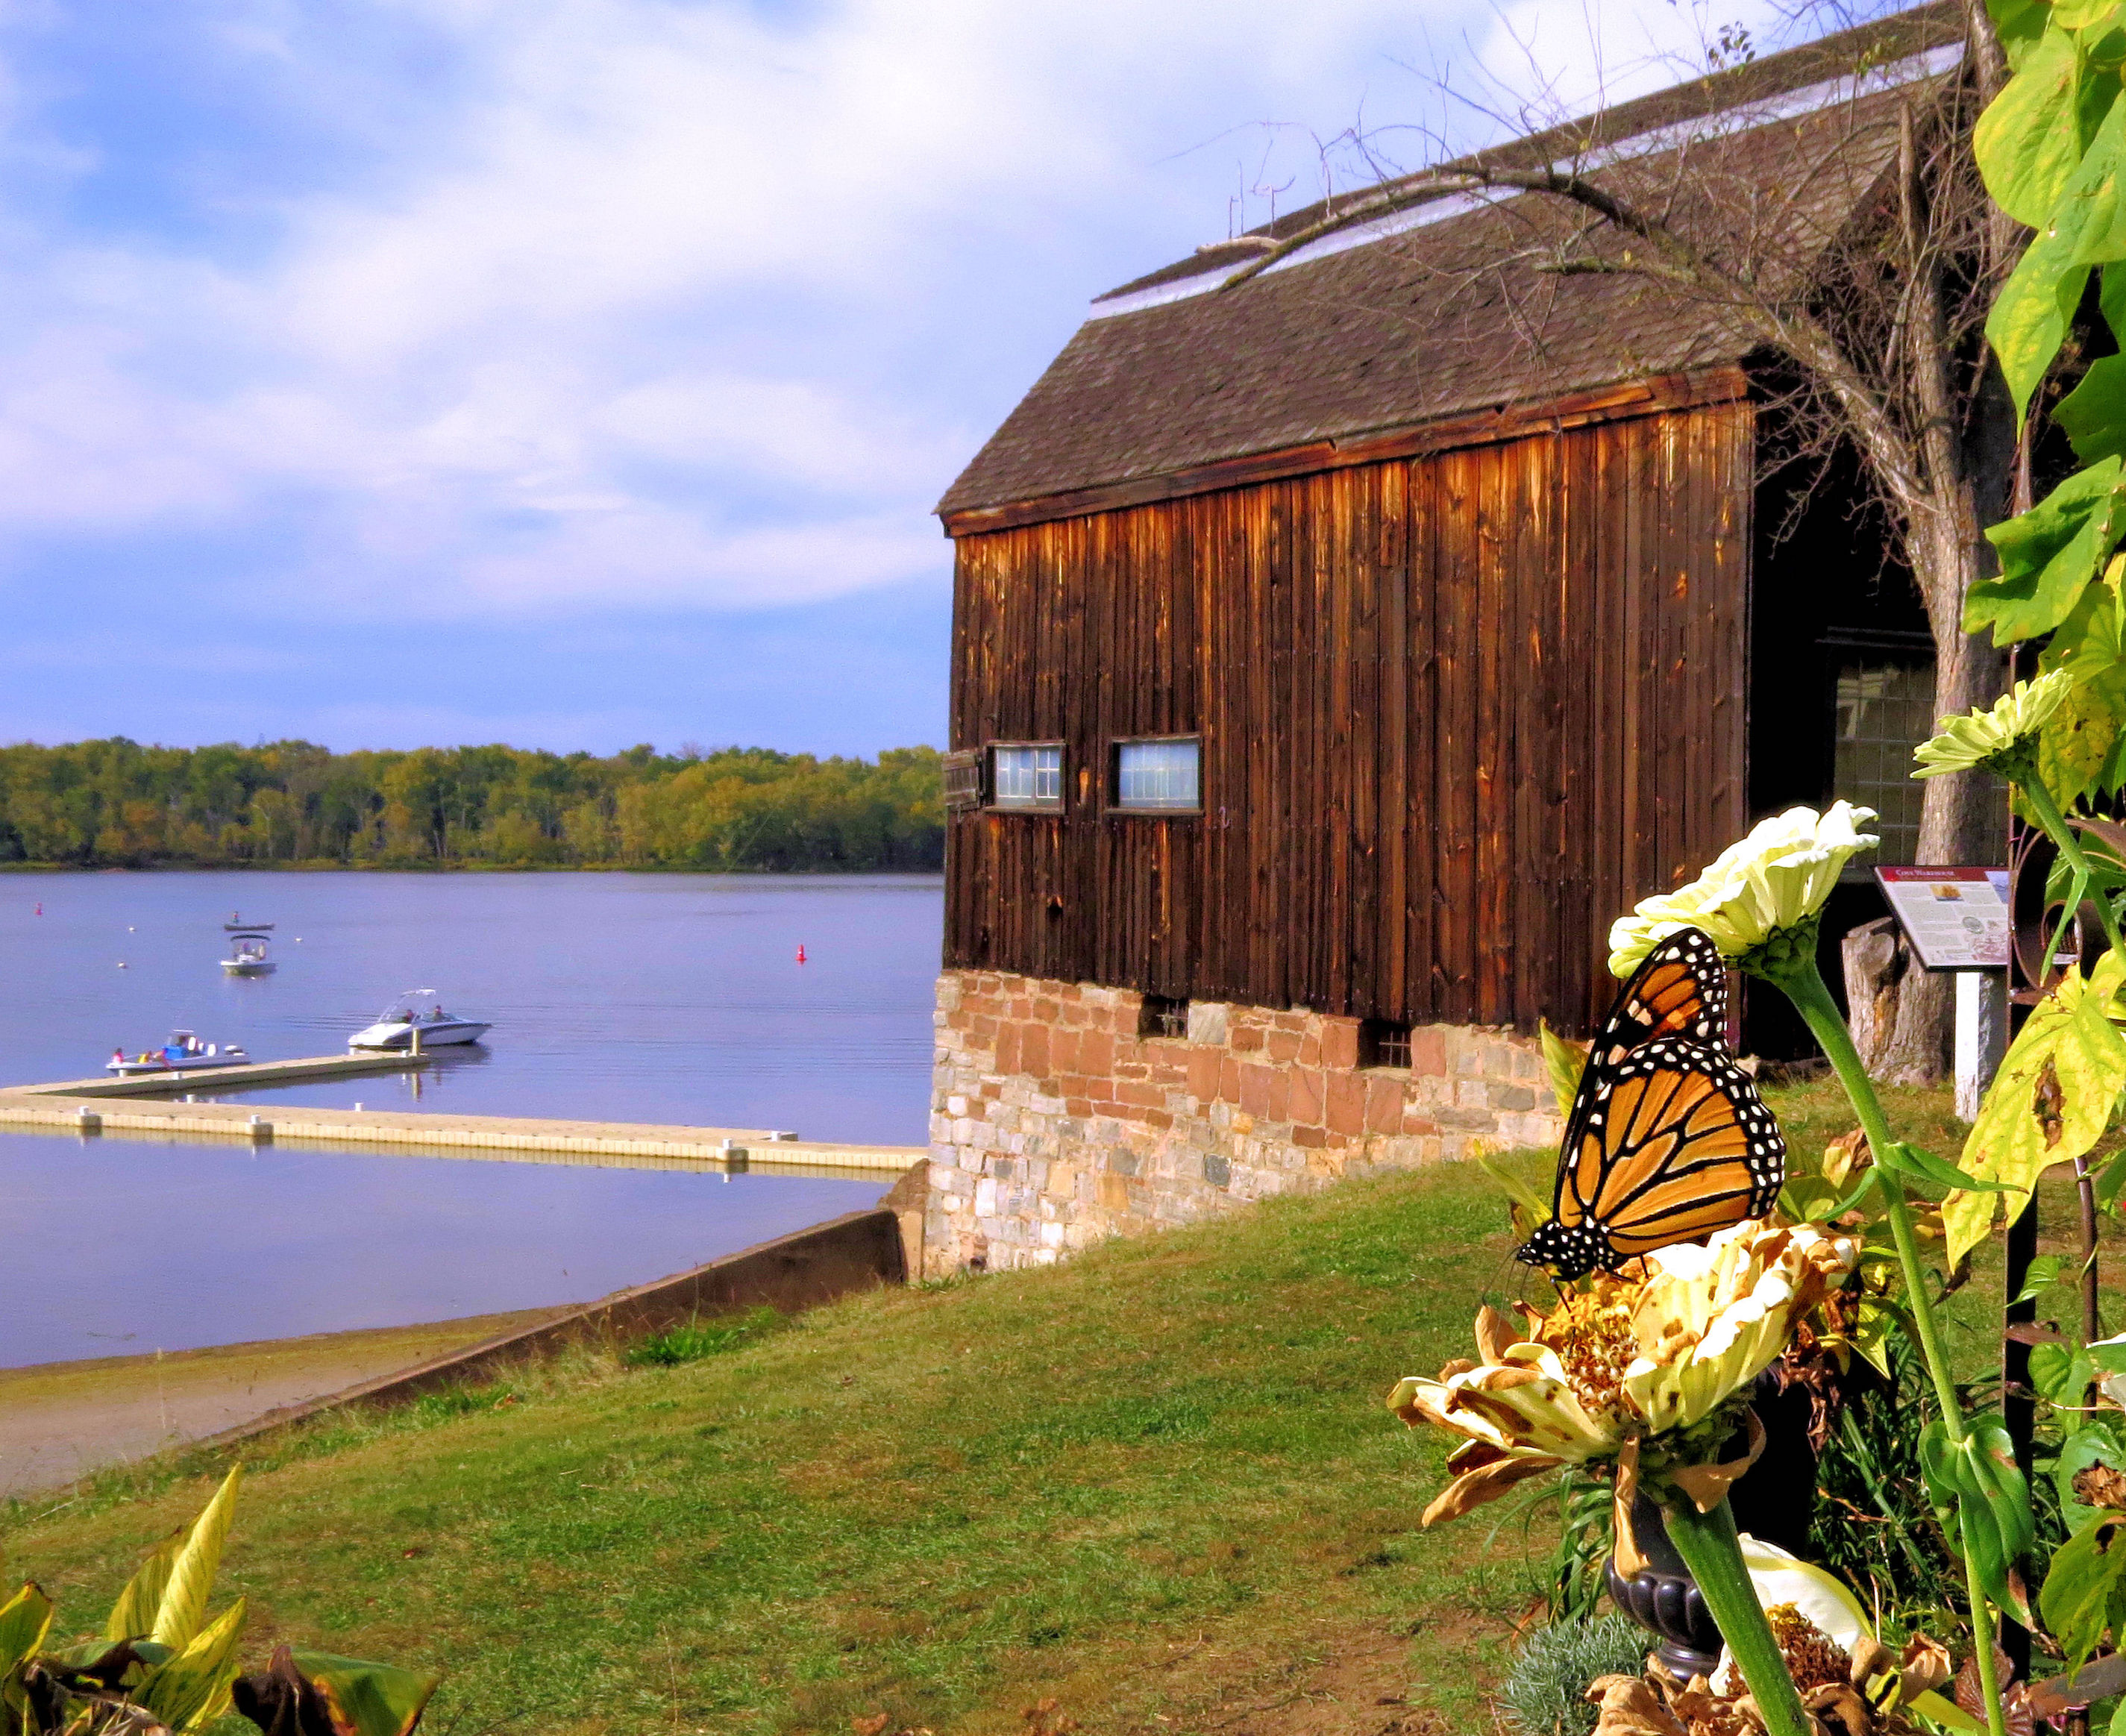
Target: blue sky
x,y
580,372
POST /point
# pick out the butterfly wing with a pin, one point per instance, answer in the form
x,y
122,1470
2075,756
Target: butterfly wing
x,y
1680,991
1670,1144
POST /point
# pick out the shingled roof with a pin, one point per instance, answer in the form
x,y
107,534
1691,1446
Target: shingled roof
x,y
1440,311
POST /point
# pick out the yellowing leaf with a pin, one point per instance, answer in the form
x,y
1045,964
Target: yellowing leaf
x,y
183,1608
24,1619
134,1615
2050,1102
2027,143
1567,1062
368,1699
191,1689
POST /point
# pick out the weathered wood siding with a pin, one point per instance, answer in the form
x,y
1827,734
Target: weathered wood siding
x,y
1458,711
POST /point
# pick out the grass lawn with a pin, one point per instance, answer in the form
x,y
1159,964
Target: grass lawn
x,y
1155,1485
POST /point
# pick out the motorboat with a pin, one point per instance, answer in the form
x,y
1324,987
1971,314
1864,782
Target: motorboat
x,y
247,959
417,1017
237,925
183,1053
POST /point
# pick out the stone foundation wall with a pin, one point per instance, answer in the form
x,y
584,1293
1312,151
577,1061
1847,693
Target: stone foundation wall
x,y
1054,1125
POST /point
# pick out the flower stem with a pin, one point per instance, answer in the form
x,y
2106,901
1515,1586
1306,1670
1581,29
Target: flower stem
x,y
1804,985
1707,1544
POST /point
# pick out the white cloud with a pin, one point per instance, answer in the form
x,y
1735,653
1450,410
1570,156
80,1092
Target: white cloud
x,y
660,303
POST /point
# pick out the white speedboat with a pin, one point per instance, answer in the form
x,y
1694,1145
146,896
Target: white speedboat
x,y
183,1053
419,1013
247,959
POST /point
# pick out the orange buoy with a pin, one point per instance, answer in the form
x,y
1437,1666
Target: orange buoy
x,y
801,953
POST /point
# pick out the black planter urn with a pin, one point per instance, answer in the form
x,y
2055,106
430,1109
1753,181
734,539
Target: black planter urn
x,y
1774,1500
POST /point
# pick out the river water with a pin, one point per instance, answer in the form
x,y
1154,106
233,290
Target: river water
x,y
624,997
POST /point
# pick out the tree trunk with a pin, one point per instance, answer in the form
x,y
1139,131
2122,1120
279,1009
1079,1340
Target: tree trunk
x,y
1962,817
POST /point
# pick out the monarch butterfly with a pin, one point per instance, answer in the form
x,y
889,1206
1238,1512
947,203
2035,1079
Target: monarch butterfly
x,y
1668,1140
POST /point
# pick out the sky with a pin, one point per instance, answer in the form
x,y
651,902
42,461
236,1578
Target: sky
x,y
574,373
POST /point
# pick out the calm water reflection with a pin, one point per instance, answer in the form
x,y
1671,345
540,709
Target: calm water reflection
x,y
614,996
112,1247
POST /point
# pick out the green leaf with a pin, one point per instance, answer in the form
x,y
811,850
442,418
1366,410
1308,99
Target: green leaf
x,y
1915,1165
2086,1588
1993,1510
184,1607
2050,1102
2049,555
2029,140
191,1689
2086,227
24,1619
2094,413
134,1614
2043,1274
2095,1443
2060,1372
2021,25
2079,741
1567,1062
369,1698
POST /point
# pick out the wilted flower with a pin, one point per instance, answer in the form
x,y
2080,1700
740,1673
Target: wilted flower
x,y
1776,878
1627,1364
1990,736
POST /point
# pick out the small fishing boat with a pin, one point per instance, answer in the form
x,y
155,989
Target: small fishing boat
x,y
417,1017
183,1053
249,957
237,925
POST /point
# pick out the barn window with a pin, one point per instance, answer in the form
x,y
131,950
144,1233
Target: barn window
x,y
1028,776
1383,1042
1161,776
1161,1015
1885,710
963,780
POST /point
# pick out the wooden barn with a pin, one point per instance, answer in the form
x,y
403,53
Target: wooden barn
x,y
1335,654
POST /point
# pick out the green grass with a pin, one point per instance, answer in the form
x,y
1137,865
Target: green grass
x,y
1156,1484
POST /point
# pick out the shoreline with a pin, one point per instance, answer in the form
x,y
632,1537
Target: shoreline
x,y
328,865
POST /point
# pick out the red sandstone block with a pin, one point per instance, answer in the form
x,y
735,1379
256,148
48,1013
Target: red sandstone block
x,y
1063,1050
1383,1105
1007,1048
1279,1108
1340,1044
1018,1007
1290,1021
1132,1070
1245,1038
1413,1121
1312,1137
1346,1103
1310,1050
1046,1010
1254,1089
1428,1051
1204,1065
1143,1096
1078,1106
1305,1101
1096,1052
1229,1079
983,1028
1156,1118
1172,1075
1033,1050
1070,1084
1282,1046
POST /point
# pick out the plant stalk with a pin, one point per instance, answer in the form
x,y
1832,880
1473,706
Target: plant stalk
x,y
1804,985
2046,812
1709,1548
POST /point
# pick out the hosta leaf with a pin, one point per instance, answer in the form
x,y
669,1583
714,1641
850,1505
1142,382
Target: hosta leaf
x,y
2029,140
2049,1103
183,1608
2047,556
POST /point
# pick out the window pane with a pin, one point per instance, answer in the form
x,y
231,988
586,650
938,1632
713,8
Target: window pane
x,y
1158,774
1884,712
1026,776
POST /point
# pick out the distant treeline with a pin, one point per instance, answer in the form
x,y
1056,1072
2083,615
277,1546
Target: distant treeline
x,y
117,803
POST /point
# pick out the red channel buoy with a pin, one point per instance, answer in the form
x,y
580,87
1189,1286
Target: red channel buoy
x,y
801,953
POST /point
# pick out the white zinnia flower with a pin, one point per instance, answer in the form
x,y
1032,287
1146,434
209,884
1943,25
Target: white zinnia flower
x,y
1778,877
1980,736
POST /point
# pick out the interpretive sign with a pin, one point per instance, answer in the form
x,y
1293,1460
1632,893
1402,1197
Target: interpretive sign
x,y
1957,919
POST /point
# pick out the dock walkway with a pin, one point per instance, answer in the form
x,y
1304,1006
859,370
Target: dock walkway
x,y
86,1107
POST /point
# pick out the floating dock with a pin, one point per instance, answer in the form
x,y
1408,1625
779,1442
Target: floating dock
x,y
86,1107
